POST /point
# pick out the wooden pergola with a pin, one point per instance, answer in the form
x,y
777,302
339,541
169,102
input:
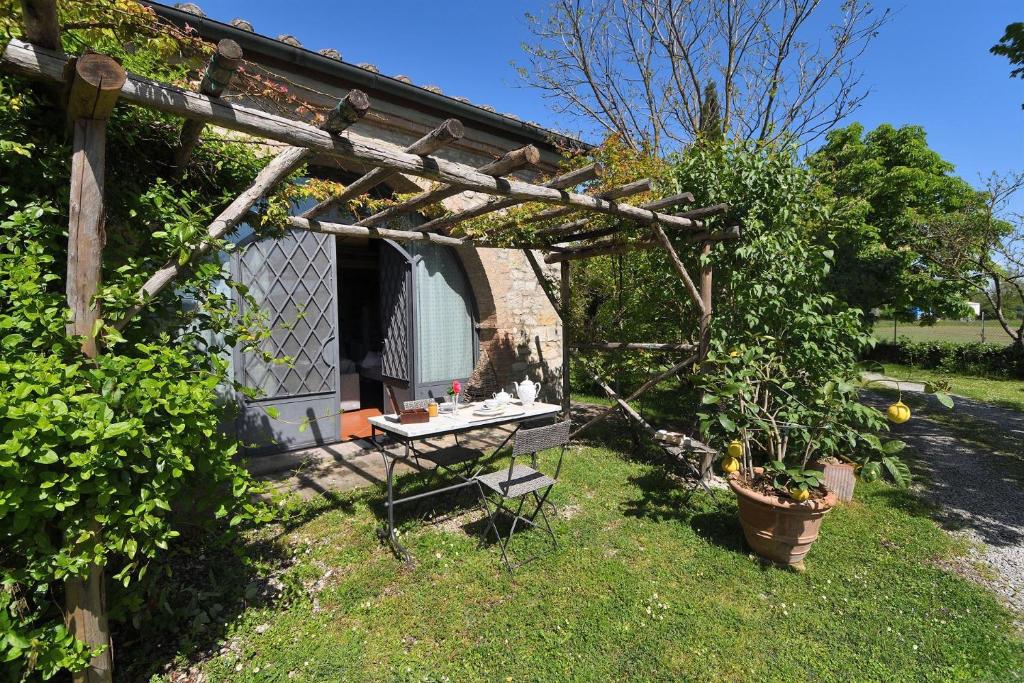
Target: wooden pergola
x,y
92,84
96,82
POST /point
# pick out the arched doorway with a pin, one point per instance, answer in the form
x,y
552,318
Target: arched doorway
x,y
355,316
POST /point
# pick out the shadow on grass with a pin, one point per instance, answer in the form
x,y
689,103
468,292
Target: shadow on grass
x,y
182,608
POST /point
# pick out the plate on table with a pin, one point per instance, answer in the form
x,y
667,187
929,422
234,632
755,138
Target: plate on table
x,y
483,411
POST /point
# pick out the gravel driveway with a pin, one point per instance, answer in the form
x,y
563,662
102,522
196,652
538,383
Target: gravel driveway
x,y
972,462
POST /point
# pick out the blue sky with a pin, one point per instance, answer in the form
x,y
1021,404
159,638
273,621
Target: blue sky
x,y
929,66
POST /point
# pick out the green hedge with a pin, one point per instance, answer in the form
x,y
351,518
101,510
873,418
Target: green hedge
x,y
970,359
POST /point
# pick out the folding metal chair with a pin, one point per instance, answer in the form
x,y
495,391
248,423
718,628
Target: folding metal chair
x,y
522,483
683,449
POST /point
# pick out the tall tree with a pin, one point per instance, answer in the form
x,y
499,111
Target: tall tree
x,y
985,248
638,67
711,115
1011,46
893,189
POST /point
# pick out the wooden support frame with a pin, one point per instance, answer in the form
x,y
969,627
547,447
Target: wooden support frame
x,y
562,233
39,19
216,79
633,346
46,65
566,301
542,279
449,131
509,162
625,190
561,182
96,84
612,247
637,393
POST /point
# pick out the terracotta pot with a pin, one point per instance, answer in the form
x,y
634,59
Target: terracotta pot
x,y
777,529
840,478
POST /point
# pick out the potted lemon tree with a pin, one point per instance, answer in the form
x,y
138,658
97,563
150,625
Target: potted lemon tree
x,y
778,424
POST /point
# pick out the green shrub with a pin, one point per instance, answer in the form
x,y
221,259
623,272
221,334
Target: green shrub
x,y
972,358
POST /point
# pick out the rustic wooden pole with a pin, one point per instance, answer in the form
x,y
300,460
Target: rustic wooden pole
x,y
656,205
96,83
448,132
39,18
631,346
566,299
510,161
33,62
545,284
350,108
705,297
279,168
625,190
561,182
612,247
642,389
678,266
221,67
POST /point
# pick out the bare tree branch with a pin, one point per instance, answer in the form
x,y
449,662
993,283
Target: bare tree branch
x,y
638,67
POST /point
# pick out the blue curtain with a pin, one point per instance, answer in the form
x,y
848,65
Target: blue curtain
x,y
444,316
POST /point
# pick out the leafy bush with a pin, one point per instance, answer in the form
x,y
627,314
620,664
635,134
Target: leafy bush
x,y
103,462
972,358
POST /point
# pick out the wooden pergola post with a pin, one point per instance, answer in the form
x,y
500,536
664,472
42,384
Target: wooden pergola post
x,y
566,313
94,91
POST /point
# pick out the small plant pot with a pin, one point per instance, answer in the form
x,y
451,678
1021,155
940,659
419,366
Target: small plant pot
x,y
777,529
840,478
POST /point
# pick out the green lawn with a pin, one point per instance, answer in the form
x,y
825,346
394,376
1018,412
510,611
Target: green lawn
x,y
944,330
642,588
1008,393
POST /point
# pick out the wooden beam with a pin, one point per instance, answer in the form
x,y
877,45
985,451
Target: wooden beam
x,y
679,267
561,182
510,161
545,284
370,232
95,87
283,165
632,346
34,62
350,108
566,299
448,132
705,296
656,205
612,247
221,67
39,19
642,389
96,83
626,190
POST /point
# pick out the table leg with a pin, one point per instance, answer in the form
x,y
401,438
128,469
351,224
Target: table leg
x,y
390,462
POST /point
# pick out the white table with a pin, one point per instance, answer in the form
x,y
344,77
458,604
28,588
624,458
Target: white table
x,y
445,424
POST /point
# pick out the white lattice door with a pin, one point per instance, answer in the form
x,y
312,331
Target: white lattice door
x,y
293,279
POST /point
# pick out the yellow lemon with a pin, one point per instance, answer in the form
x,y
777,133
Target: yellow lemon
x,y
898,412
730,465
799,494
735,449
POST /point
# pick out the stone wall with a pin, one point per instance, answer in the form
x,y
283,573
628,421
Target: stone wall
x,y
520,331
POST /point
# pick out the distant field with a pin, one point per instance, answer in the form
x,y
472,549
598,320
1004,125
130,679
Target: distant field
x,y
944,330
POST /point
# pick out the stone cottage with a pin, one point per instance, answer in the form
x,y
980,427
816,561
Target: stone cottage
x,y
358,316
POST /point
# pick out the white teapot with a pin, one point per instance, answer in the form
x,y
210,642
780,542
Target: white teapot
x,y
503,397
527,391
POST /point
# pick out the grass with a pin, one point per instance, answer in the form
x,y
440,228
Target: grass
x,y
1008,393
642,588
944,330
